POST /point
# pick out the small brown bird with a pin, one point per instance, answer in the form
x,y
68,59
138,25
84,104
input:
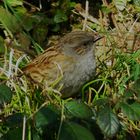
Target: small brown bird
x,y
72,59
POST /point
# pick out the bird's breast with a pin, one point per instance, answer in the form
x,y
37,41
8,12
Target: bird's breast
x,y
81,73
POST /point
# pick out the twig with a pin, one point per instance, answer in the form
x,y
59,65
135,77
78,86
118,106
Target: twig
x,y
24,128
90,18
27,3
86,15
10,63
17,63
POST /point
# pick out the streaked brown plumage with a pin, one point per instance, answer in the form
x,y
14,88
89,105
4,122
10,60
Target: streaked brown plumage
x,y
73,57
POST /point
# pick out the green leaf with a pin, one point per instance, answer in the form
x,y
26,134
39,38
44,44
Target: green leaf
x,y
136,70
2,48
14,120
101,102
128,93
45,116
73,131
137,2
131,111
40,33
106,9
29,22
14,134
136,87
79,110
108,121
5,94
60,17
9,22
72,4
35,135
19,11
56,28
120,4
14,2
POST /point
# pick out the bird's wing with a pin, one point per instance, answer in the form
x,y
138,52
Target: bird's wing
x,y
49,66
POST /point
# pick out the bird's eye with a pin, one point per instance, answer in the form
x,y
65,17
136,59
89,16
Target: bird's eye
x,y
85,43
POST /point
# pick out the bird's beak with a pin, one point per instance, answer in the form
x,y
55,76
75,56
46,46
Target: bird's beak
x,y
98,38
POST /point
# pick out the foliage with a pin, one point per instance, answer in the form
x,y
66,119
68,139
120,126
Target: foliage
x,y
110,105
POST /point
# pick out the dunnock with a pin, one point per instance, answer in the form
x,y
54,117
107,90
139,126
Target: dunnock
x,y
72,59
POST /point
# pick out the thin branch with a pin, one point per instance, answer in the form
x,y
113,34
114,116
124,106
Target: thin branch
x,y
86,15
